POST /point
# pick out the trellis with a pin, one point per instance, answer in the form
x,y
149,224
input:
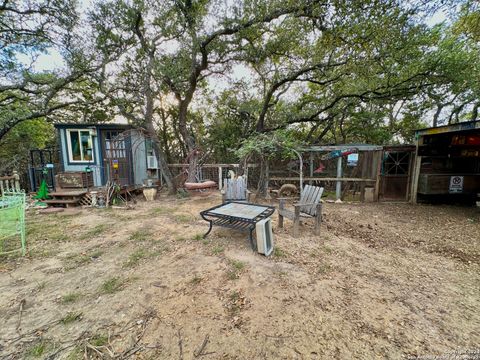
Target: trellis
x,y
12,219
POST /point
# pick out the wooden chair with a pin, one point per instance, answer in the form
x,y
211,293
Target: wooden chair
x,y
235,190
309,206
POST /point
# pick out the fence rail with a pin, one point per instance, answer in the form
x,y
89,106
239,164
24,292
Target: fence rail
x,y
215,172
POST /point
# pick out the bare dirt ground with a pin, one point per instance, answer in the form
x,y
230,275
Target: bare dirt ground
x,y
381,281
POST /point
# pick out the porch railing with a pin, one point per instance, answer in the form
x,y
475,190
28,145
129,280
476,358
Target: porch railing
x,y
10,183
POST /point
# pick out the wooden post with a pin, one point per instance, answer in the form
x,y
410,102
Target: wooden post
x,y
416,172
338,192
318,218
296,221
364,163
220,178
378,173
16,181
416,176
281,207
311,167
411,160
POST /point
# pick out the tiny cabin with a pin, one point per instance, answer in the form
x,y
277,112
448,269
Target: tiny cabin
x,y
95,154
447,166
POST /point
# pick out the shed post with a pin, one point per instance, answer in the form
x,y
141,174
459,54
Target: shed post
x,y
338,192
379,156
311,167
364,162
220,178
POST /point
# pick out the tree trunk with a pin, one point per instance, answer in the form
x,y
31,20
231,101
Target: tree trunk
x,y
148,122
193,153
437,114
262,179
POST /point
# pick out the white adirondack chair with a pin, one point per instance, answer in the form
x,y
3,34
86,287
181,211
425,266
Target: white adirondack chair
x,y
309,206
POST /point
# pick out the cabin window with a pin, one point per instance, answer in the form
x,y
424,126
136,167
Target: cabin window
x,y
80,145
150,149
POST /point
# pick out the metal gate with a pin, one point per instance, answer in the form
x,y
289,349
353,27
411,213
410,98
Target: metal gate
x,y
42,168
396,173
117,156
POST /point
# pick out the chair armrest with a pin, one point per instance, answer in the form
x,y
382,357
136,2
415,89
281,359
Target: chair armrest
x,y
307,204
288,198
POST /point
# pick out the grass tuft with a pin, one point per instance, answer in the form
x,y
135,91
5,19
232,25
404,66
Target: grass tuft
x,y
196,280
70,298
75,260
135,258
197,237
217,249
94,232
112,285
238,265
38,349
278,252
183,218
71,317
99,340
75,354
236,268
162,211
140,235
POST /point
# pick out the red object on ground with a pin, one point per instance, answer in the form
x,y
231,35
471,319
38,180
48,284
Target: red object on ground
x,y
197,186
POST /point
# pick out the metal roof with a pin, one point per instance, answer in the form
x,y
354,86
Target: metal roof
x,y
358,147
103,125
463,126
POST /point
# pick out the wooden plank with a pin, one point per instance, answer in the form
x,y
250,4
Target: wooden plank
x,y
411,160
316,200
313,190
289,214
311,199
303,194
416,175
288,178
68,193
365,162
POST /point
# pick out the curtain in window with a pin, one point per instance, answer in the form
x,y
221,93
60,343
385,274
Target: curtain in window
x,y
75,144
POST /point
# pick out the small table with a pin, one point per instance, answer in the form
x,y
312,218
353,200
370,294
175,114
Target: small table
x,y
237,215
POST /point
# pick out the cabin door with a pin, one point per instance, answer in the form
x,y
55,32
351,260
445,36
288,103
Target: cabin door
x,y
117,157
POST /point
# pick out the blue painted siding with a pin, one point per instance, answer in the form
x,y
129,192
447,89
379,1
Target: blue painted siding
x,y
138,152
68,166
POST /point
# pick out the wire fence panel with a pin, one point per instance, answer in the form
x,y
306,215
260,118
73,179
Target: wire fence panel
x,y
12,221
215,172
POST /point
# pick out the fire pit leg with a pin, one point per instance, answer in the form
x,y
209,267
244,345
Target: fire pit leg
x,y
209,229
252,243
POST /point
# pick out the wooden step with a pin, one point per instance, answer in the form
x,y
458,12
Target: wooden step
x,y
76,193
61,201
